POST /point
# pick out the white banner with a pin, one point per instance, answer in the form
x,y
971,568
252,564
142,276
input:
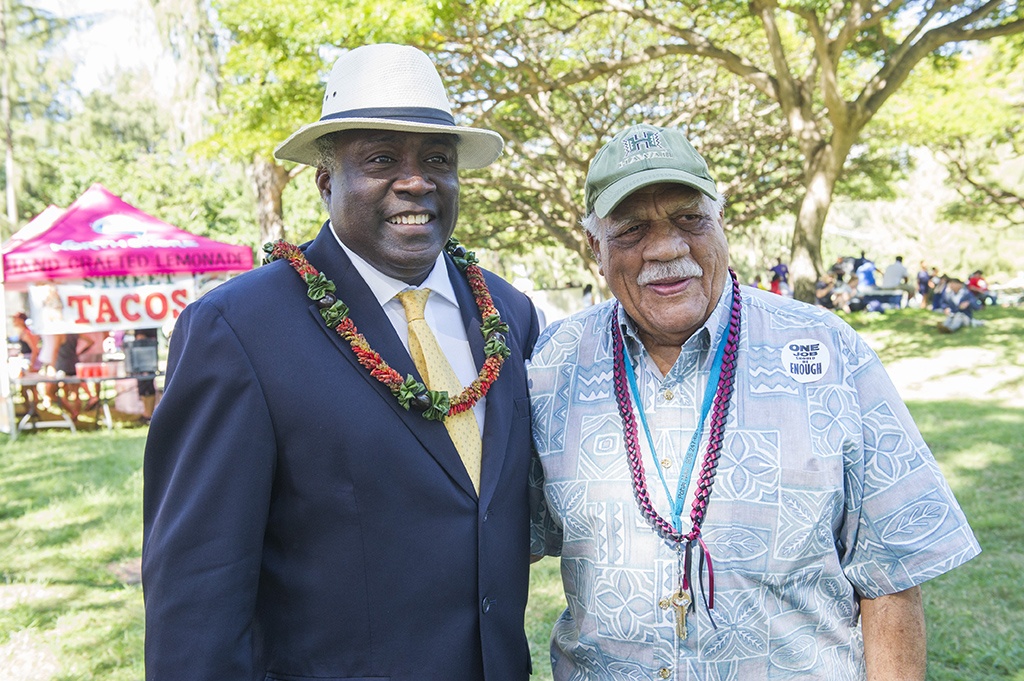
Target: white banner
x,y
108,303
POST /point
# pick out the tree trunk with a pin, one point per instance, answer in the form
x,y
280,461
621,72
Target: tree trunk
x,y
268,180
820,177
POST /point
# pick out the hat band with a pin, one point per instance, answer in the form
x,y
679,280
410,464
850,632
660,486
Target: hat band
x,y
410,114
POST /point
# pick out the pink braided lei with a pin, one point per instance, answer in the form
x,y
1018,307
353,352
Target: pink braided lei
x,y
720,411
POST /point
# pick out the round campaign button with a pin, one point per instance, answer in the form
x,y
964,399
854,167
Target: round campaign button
x,y
805,359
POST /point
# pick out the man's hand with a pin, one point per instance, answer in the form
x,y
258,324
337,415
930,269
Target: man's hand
x,y
894,638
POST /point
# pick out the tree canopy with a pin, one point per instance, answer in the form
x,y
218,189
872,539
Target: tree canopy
x,y
32,89
792,103
777,95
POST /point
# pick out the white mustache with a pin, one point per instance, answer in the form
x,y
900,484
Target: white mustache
x,y
683,268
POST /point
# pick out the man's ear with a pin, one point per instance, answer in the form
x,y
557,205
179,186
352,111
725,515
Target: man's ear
x,y
323,182
595,248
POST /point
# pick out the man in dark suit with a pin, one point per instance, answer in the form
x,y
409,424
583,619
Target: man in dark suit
x,y
303,520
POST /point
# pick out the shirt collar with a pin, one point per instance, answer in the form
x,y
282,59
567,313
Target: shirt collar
x,y
709,335
384,288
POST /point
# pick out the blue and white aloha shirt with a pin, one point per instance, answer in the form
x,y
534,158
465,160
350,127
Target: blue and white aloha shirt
x,y
825,492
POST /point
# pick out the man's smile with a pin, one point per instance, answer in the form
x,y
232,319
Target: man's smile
x,y
411,218
668,287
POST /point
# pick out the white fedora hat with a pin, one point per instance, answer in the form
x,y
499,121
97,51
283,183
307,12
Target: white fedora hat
x,y
388,87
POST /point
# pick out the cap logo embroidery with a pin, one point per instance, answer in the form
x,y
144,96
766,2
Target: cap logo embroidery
x,y
642,146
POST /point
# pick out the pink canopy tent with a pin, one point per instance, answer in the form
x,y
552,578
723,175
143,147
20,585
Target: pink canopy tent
x,y
100,235
39,224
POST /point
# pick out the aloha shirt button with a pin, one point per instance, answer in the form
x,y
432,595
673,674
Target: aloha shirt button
x,y
668,395
664,673
666,463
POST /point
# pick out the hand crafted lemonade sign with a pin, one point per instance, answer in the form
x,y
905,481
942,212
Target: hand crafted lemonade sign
x,y
103,264
107,303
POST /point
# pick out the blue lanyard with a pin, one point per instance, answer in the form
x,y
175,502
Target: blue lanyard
x,y
686,471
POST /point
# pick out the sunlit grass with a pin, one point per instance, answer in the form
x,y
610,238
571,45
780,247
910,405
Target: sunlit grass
x,y
70,537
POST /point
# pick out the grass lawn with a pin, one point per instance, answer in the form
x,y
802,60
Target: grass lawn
x,y
70,538
70,533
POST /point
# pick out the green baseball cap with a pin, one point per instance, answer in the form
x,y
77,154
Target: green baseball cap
x,y
641,156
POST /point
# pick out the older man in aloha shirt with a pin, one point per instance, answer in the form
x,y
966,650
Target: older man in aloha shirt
x,y
824,493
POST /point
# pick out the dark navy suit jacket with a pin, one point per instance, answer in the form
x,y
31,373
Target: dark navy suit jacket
x,y
300,524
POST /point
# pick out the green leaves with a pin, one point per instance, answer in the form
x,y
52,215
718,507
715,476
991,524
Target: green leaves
x,y
492,324
408,391
439,405
335,314
319,285
412,392
496,345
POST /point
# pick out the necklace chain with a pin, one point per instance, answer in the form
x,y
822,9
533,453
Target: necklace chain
x,y
434,405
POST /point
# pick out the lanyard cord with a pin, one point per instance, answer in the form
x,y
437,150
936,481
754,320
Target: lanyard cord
x,y
676,503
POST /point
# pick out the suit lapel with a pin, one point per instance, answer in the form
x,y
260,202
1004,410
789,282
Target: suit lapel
x,y
328,257
498,412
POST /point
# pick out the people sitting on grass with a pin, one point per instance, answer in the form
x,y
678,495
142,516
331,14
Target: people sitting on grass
x,y
896,277
959,305
823,290
938,285
851,295
832,293
923,288
977,285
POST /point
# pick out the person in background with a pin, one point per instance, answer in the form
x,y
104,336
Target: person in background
x,y
734,486
146,386
48,343
959,304
839,268
979,288
29,346
588,295
845,293
896,276
90,349
28,341
824,290
938,286
866,274
923,287
66,394
336,477
781,270
858,261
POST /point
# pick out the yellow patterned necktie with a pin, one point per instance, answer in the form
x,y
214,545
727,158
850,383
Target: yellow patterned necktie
x,y
438,374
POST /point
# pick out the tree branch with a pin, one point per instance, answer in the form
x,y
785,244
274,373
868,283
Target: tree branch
x,y
697,44
896,70
834,102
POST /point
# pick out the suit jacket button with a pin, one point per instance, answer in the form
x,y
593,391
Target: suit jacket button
x,y
485,606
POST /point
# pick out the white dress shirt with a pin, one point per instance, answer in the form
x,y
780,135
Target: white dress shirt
x,y
442,314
